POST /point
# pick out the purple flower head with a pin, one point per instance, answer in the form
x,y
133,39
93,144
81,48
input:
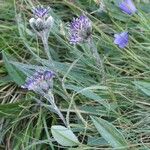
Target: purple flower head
x,y
80,29
41,21
40,80
121,39
128,7
40,11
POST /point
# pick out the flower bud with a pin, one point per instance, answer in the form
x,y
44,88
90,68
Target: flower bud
x,y
128,7
49,22
32,22
39,24
122,39
42,21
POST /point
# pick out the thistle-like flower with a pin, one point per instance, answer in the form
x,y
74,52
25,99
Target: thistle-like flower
x,y
41,80
127,6
42,83
80,29
40,11
121,39
42,21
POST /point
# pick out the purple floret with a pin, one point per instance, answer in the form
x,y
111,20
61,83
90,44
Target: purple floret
x,y
128,7
48,75
74,39
80,29
121,39
40,79
41,11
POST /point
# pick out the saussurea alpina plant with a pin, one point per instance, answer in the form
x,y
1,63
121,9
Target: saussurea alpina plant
x,y
42,24
127,6
41,82
121,39
81,31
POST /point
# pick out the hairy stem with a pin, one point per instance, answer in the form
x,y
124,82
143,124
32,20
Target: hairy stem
x,y
52,102
60,115
46,46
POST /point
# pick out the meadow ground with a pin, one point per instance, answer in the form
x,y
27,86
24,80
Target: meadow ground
x,y
102,90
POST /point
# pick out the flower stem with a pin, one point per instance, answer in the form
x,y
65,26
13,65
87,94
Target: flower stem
x,y
46,46
98,58
52,102
60,115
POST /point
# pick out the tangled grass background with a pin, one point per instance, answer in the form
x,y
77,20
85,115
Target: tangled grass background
x,y
114,114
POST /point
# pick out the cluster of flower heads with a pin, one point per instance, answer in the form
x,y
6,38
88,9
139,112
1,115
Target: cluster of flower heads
x,y
80,30
81,27
41,80
41,21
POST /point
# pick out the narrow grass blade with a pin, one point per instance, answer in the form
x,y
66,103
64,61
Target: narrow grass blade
x,y
143,86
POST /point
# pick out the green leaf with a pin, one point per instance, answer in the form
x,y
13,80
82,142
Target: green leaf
x,y
109,133
64,136
143,86
12,71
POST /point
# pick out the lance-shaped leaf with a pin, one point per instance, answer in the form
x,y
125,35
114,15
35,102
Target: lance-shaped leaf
x,y
13,72
64,136
109,133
